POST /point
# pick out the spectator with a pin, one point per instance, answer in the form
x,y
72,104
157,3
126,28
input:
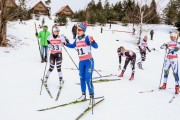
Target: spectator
x,y
134,30
43,36
151,34
101,29
74,31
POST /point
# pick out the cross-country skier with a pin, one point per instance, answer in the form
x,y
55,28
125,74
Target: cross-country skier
x,y
83,45
130,57
171,61
143,45
56,42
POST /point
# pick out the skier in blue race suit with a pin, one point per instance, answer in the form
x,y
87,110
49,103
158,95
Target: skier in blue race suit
x,y
83,45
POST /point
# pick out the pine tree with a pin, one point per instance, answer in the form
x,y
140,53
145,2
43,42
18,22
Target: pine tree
x,y
170,13
100,13
153,17
62,19
119,10
91,12
99,5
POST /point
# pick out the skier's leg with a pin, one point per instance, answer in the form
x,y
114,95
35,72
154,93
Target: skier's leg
x,y
58,65
167,66
124,68
82,76
133,61
174,64
88,75
125,64
46,53
52,64
42,53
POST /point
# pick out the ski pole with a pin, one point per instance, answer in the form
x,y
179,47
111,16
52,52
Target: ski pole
x,y
37,39
70,57
95,70
162,69
43,77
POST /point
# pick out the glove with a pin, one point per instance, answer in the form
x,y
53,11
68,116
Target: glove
x,y
165,45
36,34
172,52
91,39
67,40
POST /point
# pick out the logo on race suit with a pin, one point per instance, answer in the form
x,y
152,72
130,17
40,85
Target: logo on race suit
x,y
90,70
81,44
55,41
172,45
144,44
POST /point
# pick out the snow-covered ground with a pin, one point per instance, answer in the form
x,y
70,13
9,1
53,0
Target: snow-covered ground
x,y
21,72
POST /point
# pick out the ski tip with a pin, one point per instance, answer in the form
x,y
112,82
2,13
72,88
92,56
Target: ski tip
x,y
40,110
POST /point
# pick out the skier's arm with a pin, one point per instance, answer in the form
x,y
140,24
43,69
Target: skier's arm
x,y
148,49
119,60
65,38
91,41
71,45
164,46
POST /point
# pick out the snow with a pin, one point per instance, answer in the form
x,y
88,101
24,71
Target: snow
x,y
21,72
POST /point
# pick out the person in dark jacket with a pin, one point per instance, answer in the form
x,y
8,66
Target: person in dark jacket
x,y
151,34
74,31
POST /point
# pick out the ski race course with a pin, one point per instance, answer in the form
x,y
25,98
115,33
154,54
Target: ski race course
x,y
139,99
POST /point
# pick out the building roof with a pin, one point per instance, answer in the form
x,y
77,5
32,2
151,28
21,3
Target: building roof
x,y
32,3
62,8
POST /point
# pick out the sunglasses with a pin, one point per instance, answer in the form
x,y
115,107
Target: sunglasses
x,y
79,30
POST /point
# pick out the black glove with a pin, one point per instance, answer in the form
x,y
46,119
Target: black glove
x,y
36,34
67,40
172,52
165,45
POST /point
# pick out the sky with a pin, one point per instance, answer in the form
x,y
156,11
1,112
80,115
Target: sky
x,y
81,4
76,5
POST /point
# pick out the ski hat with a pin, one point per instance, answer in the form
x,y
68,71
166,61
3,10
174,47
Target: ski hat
x,y
57,30
45,26
82,27
173,35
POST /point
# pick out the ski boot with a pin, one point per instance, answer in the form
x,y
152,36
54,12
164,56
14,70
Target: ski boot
x,y
177,89
132,77
92,101
45,59
122,74
61,81
163,86
83,97
42,59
